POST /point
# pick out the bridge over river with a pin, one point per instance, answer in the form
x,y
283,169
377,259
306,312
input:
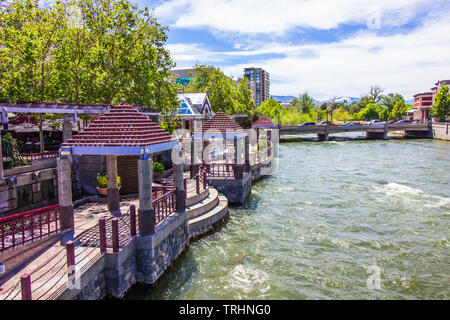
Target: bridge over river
x,y
373,131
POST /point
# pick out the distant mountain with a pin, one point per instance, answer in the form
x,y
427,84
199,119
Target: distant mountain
x,y
347,100
282,99
343,99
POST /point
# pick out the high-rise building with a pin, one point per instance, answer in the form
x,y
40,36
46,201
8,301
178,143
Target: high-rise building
x,y
258,83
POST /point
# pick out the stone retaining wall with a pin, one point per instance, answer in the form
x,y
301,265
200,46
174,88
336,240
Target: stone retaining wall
x,y
441,131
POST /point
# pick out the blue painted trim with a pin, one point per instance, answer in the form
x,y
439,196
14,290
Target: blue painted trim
x,y
123,150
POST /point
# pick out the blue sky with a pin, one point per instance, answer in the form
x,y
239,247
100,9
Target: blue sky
x,y
328,48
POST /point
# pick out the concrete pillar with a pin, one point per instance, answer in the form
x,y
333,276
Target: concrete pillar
x,y
178,182
113,199
67,128
66,218
238,161
323,136
196,155
269,139
247,153
146,215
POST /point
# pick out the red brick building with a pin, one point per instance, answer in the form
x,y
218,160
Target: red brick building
x,y
422,105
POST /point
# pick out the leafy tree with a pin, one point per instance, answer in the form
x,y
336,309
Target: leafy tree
x,y
371,111
270,108
441,106
223,93
398,111
304,103
84,51
384,114
388,101
364,101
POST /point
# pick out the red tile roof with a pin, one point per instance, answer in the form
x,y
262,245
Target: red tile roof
x,y
264,121
220,121
123,125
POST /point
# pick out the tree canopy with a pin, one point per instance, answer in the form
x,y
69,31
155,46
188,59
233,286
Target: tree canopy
x,y
270,108
441,107
223,93
84,51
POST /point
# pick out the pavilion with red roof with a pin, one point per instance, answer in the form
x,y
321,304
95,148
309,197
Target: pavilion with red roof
x,y
123,131
221,126
264,122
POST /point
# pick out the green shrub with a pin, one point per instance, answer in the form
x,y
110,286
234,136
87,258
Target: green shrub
x,y
102,180
158,166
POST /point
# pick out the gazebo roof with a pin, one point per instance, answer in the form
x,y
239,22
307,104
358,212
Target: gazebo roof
x,y
121,131
222,123
264,122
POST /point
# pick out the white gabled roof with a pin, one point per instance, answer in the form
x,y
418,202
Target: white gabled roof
x,y
193,104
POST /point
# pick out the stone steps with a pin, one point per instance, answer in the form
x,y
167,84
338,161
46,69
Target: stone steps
x,y
204,205
209,220
194,198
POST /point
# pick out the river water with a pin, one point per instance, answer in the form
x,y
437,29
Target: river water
x,y
337,220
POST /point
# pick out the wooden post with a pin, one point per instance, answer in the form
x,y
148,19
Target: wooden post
x,y
102,231
197,183
133,220
25,282
70,252
204,178
115,234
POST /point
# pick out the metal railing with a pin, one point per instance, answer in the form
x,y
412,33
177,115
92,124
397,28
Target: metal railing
x,y
164,206
28,226
35,156
220,170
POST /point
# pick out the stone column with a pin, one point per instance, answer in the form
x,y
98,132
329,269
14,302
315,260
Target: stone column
x,y
247,153
238,163
269,139
196,150
66,218
146,215
67,128
177,166
113,199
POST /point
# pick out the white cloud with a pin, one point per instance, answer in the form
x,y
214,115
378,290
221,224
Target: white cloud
x,y
268,16
404,63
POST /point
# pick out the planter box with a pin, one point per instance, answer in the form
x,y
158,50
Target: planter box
x,y
104,191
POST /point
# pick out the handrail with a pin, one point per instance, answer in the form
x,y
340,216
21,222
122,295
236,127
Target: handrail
x,y
28,226
35,156
164,206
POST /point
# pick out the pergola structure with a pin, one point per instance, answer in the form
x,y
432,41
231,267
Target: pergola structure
x,y
69,110
222,126
121,131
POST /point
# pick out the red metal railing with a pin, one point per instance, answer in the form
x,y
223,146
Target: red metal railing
x,y
35,156
220,170
164,206
24,227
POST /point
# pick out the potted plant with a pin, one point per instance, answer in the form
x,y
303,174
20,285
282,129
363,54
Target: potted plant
x,y
158,168
102,180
